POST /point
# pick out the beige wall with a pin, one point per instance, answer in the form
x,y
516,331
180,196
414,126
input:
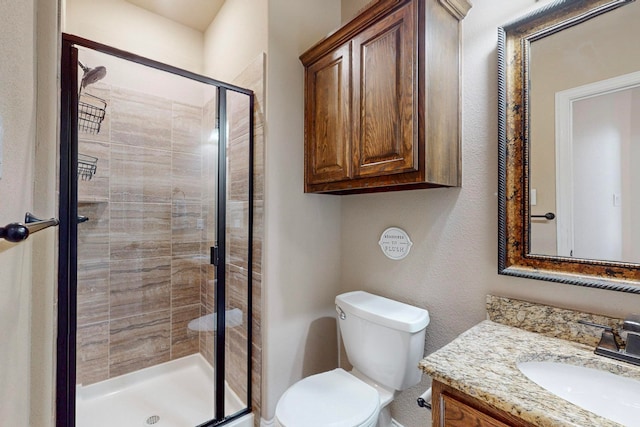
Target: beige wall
x,y
316,246
17,142
301,272
26,302
453,262
237,35
120,24
45,203
350,8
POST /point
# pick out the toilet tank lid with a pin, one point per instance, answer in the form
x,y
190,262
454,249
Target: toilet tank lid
x,y
383,311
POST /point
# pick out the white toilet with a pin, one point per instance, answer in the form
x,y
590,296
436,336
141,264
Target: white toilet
x,y
384,340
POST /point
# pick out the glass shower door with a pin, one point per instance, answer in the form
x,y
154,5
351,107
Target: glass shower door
x,y
160,335
235,353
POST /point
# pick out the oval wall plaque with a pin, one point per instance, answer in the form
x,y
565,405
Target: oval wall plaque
x,y
395,243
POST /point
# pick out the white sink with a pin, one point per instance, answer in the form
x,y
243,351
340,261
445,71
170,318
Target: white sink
x,y
603,393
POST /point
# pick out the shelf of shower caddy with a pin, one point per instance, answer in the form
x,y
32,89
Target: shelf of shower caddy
x,y
233,317
92,199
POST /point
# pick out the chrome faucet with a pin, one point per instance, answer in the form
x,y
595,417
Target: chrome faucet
x,y
629,336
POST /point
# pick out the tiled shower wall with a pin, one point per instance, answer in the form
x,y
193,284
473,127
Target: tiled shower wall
x,y
237,237
103,348
142,254
236,349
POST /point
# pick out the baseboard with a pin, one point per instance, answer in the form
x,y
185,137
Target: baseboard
x,y
245,421
267,423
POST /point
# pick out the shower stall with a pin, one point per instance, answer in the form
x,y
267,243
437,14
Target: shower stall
x,y
155,266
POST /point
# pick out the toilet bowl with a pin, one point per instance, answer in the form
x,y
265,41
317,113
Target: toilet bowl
x,y
384,341
335,398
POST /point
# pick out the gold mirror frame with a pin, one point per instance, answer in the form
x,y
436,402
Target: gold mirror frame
x,y
514,229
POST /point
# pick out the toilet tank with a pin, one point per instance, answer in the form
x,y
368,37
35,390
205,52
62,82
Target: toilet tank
x,y
383,338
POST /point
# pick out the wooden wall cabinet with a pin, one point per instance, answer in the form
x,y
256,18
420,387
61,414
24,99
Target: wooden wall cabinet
x,y
452,408
382,100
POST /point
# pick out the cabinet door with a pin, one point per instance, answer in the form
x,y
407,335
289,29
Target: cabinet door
x,y
458,414
453,408
385,96
328,118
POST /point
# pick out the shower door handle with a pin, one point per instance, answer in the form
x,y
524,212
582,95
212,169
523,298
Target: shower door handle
x,y
214,255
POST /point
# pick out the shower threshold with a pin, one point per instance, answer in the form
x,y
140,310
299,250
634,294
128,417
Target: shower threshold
x,y
179,393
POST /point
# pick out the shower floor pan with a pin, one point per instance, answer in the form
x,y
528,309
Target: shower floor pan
x,y
179,393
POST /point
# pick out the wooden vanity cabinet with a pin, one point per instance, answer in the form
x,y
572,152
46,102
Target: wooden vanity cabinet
x,y
452,408
382,100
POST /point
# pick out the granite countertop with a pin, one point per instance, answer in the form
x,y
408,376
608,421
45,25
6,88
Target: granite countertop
x,y
481,362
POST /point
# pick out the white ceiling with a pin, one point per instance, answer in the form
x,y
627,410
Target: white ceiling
x,y
196,14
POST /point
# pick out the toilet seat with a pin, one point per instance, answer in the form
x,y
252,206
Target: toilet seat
x,y
330,399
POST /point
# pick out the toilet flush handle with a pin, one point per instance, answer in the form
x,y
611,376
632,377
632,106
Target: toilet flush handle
x,y
341,314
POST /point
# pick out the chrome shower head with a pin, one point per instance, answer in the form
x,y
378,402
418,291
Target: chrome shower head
x,y
91,75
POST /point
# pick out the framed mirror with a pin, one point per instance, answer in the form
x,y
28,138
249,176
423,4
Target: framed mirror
x,y
569,144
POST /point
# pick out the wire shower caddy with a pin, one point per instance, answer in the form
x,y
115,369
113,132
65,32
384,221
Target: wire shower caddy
x,y
87,166
91,112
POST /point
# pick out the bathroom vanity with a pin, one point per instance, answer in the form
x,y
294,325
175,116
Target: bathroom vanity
x,y
479,379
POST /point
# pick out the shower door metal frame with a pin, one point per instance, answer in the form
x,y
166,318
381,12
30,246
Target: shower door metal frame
x,y
68,231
